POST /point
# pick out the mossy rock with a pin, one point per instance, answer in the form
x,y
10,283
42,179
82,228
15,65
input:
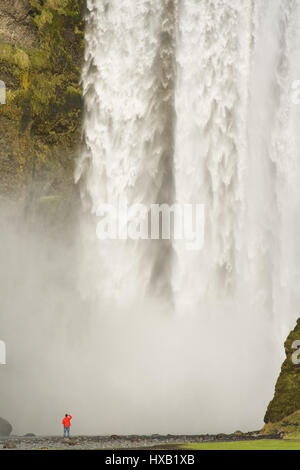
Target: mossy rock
x,y
287,389
288,427
41,120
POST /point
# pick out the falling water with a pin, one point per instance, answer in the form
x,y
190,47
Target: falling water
x,y
189,101
130,116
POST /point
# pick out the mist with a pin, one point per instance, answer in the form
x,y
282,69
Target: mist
x,y
136,368
184,103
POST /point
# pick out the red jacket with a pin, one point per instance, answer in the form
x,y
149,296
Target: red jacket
x,y
67,421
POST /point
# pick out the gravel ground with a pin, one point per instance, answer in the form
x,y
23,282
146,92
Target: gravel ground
x,y
117,442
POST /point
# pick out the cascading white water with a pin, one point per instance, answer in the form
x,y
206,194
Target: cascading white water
x,y
128,81
210,140
189,101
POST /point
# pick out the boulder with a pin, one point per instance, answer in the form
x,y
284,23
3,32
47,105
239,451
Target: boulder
x,y
5,428
9,445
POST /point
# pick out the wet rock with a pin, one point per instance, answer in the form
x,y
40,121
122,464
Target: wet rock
x,y
5,428
72,441
136,439
9,445
29,434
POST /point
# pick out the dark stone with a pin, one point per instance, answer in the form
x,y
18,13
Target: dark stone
x,y
70,36
136,439
5,428
9,445
72,441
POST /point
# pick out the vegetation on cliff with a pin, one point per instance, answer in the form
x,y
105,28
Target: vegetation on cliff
x,y
41,121
287,397
288,427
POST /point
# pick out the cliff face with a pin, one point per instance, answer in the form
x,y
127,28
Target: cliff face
x,y
16,24
287,390
41,51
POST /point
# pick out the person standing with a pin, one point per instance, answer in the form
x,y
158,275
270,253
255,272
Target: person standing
x,y
67,424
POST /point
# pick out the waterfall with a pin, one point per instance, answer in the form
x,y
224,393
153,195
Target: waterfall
x,y
128,81
188,102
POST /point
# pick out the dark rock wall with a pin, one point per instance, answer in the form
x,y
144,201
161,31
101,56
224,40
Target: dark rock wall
x,y
41,53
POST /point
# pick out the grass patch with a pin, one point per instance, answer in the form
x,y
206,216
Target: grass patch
x,y
264,444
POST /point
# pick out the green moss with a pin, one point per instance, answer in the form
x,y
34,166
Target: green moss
x,y
287,390
39,60
21,59
41,122
288,427
46,17
6,53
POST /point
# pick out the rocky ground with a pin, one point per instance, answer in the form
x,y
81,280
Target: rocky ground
x,y
118,442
